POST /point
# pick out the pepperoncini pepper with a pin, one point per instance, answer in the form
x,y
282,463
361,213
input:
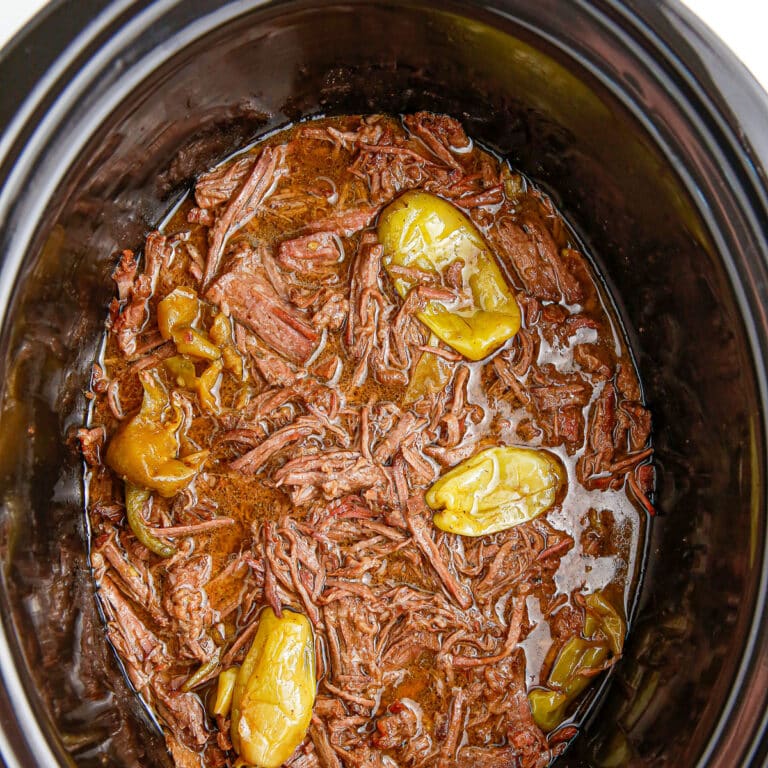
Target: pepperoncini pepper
x,y
225,688
579,660
203,671
135,499
275,690
495,489
176,314
190,341
206,386
221,333
424,232
604,621
179,309
144,450
183,371
572,673
431,374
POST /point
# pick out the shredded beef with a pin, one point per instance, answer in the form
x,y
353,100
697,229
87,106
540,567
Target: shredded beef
x,y
242,207
311,255
318,410
246,292
130,321
91,442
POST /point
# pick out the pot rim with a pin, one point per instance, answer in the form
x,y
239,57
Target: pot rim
x,y
60,59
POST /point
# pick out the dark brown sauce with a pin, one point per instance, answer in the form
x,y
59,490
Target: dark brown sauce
x,y
607,525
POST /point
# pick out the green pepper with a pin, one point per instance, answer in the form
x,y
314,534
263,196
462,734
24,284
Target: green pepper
x,y
423,232
547,707
144,450
275,690
578,660
495,489
575,657
135,499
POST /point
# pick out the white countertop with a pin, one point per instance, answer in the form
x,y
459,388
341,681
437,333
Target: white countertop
x,y
740,23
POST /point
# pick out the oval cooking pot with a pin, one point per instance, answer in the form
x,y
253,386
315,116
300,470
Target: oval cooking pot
x,y
650,136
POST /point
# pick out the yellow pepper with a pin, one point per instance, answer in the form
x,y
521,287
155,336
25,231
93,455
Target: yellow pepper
x,y
233,362
224,690
431,374
190,341
578,661
221,330
144,450
604,621
566,681
176,314
179,309
206,386
183,371
275,690
496,489
221,333
426,233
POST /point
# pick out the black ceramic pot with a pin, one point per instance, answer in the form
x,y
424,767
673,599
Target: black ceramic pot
x,y
649,134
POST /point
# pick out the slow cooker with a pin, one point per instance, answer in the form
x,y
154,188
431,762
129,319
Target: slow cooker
x,y
650,136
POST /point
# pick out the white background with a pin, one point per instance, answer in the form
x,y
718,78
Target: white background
x,y
740,23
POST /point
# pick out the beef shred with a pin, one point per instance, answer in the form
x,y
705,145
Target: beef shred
x,y
311,496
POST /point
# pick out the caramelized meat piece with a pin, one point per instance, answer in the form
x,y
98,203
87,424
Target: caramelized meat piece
x,y
91,443
219,185
441,134
396,728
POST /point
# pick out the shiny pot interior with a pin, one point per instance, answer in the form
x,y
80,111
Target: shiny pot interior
x,y
587,100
